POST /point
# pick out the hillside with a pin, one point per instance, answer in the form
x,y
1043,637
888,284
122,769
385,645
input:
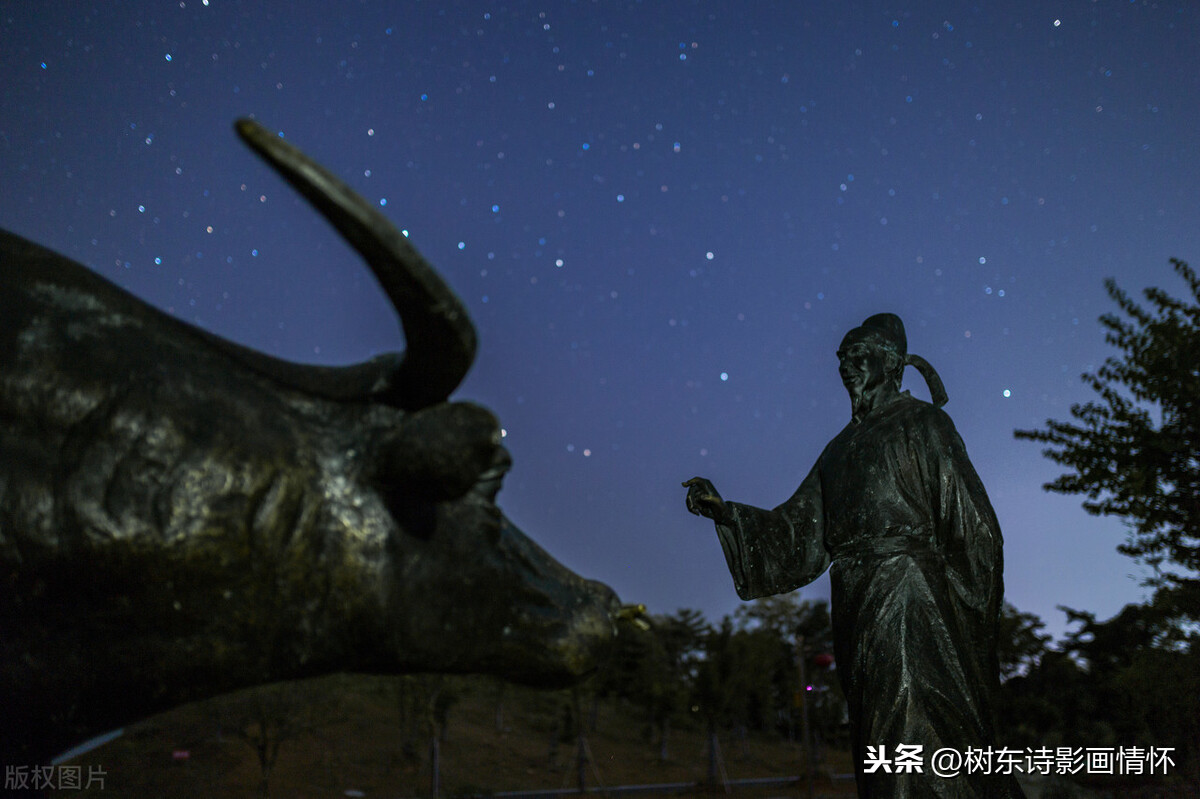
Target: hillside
x,y
369,736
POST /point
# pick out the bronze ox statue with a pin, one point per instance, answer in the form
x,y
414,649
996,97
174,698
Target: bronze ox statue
x,y
181,516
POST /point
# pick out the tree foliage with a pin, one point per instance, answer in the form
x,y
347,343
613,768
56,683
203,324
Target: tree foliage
x,y
1135,452
1020,642
1134,678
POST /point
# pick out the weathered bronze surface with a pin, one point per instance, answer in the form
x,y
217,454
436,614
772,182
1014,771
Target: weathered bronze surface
x,y
895,510
181,516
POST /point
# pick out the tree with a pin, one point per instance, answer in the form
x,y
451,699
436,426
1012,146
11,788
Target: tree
x,y
1020,642
654,668
1135,454
672,667
424,702
267,716
791,621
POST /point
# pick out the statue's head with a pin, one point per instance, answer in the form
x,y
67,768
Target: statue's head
x,y
871,361
871,357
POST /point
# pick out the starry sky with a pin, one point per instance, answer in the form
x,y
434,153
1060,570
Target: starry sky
x,y
662,217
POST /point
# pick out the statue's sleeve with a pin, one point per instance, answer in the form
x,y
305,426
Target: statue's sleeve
x,y
779,550
965,522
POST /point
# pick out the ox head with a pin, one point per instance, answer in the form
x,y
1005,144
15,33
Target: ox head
x,y
472,593
182,516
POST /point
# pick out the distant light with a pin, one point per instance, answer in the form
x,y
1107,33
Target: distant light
x,y
168,56
982,260
383,200
1007,393
1057,22
462,245
708,255
724,376
808,687
495,209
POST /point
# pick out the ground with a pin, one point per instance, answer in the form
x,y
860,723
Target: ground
x,y
358,742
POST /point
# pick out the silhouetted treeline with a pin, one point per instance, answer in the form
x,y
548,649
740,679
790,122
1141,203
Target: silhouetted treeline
x,y
739,675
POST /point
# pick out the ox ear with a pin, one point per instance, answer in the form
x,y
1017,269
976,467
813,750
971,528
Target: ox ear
x,y
436,454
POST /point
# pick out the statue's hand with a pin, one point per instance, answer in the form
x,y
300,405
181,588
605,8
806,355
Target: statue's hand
x,y
703,500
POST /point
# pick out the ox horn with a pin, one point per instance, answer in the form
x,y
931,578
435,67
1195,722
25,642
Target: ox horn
x,y
439,335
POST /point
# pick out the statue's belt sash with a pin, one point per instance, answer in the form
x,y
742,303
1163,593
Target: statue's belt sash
x,y
907,540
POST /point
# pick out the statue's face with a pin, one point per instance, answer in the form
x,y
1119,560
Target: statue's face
x,y
861,363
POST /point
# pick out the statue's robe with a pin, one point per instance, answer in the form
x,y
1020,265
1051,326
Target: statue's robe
x,y
895,506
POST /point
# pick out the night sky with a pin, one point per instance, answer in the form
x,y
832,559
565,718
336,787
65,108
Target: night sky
x,y
662,217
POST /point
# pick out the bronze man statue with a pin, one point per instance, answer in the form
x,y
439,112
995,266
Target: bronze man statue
x,y
896,511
